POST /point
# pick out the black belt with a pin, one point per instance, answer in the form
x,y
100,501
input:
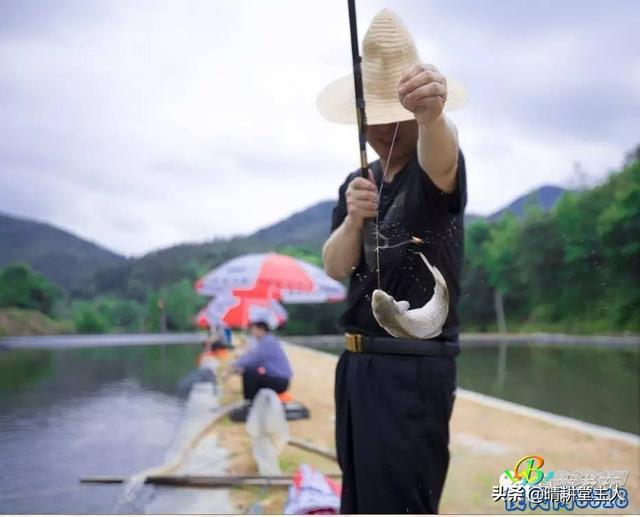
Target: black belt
x,y
359,343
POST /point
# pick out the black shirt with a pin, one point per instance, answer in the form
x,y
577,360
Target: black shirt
x,y
410,205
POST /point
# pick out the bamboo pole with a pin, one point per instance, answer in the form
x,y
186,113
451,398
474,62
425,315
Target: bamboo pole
x,y
202,481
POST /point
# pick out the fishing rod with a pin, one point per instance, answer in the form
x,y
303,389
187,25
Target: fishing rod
x,y
359,91
370,225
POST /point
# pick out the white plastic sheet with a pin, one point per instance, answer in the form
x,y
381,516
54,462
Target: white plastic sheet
x,y
269,431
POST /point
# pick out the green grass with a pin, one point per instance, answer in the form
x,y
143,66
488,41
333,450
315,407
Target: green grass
x,y
26,322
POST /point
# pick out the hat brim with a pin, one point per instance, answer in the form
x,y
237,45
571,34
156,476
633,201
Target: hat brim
x,y
336,103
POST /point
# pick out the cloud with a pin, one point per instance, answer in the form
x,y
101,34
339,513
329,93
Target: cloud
x,y
143,124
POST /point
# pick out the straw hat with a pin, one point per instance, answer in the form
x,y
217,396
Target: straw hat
x,y
388,51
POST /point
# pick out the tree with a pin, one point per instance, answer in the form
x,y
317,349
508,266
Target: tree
x,y
476,304
181,303
88,320
618,228
539,257
499,254
22,287
119,314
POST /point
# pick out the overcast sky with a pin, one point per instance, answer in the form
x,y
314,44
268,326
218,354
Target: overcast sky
x,y
142,124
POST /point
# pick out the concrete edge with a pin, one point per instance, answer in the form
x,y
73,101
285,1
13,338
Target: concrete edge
x,y
69,341
598,431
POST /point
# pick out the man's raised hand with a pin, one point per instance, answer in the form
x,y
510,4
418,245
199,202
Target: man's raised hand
x,y
422,90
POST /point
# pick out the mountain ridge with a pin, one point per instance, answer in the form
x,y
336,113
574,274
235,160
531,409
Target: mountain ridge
x,y
95,269
58,254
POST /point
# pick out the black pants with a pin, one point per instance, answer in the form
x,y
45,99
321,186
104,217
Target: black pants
x,y
392,431
252,381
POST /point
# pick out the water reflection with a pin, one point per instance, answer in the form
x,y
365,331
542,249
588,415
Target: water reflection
x,y
598,385
66,414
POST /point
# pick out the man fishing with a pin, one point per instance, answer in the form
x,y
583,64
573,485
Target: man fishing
x,y
394,396
265,365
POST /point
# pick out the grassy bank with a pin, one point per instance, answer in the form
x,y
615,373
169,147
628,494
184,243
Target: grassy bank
x,y
26,322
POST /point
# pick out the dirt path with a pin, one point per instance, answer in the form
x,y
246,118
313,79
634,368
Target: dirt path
x,y
485,441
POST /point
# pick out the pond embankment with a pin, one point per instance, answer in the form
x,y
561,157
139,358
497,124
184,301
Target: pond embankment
x,y
487,437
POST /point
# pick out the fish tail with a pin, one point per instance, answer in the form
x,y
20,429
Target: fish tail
x,y
434,271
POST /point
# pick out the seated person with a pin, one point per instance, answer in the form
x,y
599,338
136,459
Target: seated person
x,y
265,365
215,345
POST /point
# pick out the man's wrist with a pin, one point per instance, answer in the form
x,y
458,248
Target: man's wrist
x,y
353,224
427,124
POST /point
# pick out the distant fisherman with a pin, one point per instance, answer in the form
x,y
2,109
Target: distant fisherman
x,y
394,396
215,348
216,344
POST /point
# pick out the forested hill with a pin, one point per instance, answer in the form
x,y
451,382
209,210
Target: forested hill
x,y
309,227
575,268
544,198
87,269
60,256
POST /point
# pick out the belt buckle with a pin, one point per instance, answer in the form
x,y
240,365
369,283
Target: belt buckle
x,y
354,342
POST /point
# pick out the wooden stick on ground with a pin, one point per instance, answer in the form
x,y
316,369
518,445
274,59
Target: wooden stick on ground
x,y
203,481
308,446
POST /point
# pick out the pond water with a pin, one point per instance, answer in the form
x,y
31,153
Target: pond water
x,y
67,414
597,385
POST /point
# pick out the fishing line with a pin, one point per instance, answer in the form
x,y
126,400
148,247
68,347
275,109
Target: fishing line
x,y
384,177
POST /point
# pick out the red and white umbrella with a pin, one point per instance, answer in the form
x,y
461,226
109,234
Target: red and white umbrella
x,y
238,312
271,276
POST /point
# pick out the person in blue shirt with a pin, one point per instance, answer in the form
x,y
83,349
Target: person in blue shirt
x,y
265,364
